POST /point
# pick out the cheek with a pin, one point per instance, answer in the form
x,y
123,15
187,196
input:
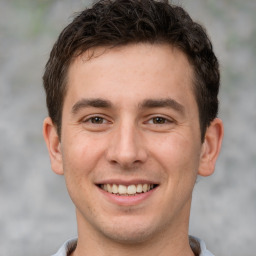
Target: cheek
x,y
81,152
177,154
79,161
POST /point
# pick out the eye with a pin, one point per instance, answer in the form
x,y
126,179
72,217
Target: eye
x,y
96,123
95,120
160,123
159,120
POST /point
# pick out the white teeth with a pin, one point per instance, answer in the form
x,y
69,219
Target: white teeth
x,y
139,188
145,188
131,190
109,187
121,190
127,190
114,189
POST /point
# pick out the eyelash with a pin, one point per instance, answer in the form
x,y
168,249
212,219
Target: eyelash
x,y
100,122
93,118
163,120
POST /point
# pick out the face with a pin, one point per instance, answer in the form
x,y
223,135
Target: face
x,y
130,146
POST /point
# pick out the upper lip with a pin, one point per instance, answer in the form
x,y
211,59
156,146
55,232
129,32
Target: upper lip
x,y
126,182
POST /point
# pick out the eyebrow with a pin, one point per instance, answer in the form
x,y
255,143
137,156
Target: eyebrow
x,y
148,103
85,103
163,103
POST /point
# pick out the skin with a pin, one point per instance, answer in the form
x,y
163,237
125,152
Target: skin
x,y
130,115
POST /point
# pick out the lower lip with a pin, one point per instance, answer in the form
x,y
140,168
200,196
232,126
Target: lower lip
x,y
127,200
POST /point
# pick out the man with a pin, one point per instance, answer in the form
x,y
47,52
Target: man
x,y
132,91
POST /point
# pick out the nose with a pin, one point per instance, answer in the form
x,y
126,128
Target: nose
x,y
126,148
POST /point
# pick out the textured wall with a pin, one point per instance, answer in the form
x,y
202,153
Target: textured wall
x,y
36,214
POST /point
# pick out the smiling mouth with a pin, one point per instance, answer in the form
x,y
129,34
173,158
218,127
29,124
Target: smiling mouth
x,y
131,190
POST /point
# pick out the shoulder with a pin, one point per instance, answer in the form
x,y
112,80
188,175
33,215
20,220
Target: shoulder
x,y
203,249
66,248
70,245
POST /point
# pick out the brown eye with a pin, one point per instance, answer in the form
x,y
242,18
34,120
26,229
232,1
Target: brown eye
x,y
159,120
97,120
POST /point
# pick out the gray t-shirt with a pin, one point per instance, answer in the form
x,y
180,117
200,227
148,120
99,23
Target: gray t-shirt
x,y
68,245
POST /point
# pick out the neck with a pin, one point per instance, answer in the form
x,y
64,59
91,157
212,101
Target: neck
x,y
170,242
135,250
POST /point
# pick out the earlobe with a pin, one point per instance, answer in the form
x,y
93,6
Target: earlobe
x,y
53,144
211,147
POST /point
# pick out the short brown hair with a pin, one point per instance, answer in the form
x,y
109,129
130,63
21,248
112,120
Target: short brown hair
x,y
114,23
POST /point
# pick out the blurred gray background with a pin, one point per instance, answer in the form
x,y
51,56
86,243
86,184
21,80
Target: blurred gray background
x,y
36,214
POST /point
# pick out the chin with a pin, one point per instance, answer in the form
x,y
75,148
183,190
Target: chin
x,y
130,232
129,237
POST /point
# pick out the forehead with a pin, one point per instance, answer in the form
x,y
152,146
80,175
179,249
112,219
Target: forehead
x,y
151,68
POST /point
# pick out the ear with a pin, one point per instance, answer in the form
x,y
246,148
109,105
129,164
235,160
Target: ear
x,y
53,144
211,147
